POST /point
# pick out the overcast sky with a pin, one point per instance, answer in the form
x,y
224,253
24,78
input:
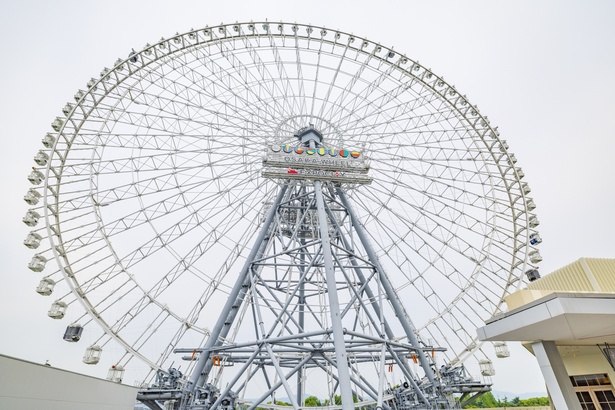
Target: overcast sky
x,y
542,71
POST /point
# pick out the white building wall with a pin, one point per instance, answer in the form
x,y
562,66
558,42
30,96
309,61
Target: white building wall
x,y
30,386
593,362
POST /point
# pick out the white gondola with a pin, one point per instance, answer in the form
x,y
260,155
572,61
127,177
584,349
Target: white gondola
x,y
526,188
535,256
79,95
49,140
57,124
530,204
31,218
33,240
67,108
520,173
533,221
504,146
73,333
41,158
501,349
486,368
116,373
535,238
37,264
45,286
32,197
57,309
36,177
92,83
92,354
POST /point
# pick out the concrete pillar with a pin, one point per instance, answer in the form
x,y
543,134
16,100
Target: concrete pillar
x,y
556,377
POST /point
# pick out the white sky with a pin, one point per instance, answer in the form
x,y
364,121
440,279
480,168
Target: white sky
x,y
543,71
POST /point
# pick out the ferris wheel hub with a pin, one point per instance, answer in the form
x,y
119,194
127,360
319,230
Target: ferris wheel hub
x,y
307,135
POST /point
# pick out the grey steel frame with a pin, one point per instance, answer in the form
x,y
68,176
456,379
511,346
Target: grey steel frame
x,y
329,250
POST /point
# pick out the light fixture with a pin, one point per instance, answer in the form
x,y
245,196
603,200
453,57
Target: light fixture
x,y
609,354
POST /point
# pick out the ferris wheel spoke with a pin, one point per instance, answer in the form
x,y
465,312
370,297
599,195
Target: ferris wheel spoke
x,y
436,212
163,142
427,122
119,268
258,71
463,308
419,125
416,229
143,307
84,201
185,264
185,225
439,304
161,317
247,81
338,105
193,91
218,278
366,95
468,197
372,109
286,89
160,183
301,86
172,122
332,81
189,110
87,233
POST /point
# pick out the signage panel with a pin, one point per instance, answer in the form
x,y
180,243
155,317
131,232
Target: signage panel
x,y
299,162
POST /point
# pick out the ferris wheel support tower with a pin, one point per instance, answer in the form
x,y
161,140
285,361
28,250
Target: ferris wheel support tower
x,y
314,236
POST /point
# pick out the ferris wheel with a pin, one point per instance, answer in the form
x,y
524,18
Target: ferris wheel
x,y
152,190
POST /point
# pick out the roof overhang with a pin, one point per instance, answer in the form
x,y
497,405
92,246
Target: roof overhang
x,y
563,317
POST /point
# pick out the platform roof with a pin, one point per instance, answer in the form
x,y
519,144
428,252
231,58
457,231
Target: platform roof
x,y
567,318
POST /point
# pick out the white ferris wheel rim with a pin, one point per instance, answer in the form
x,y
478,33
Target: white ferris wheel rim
x,y
177,129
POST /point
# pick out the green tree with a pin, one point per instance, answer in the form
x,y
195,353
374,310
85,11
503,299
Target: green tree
x,y
485,401
280,403
312,401
534,401
503,403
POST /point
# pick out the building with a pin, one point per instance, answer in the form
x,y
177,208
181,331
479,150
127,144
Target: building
x,y
567,320
31,386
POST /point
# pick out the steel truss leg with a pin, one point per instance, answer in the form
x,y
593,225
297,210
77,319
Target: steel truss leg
x,y
387,329
392,296
334,306
233,303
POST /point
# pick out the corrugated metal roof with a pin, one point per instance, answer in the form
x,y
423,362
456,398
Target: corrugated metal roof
x,y
584,275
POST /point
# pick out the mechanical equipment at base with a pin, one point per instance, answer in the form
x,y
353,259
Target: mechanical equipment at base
x,y
319,302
